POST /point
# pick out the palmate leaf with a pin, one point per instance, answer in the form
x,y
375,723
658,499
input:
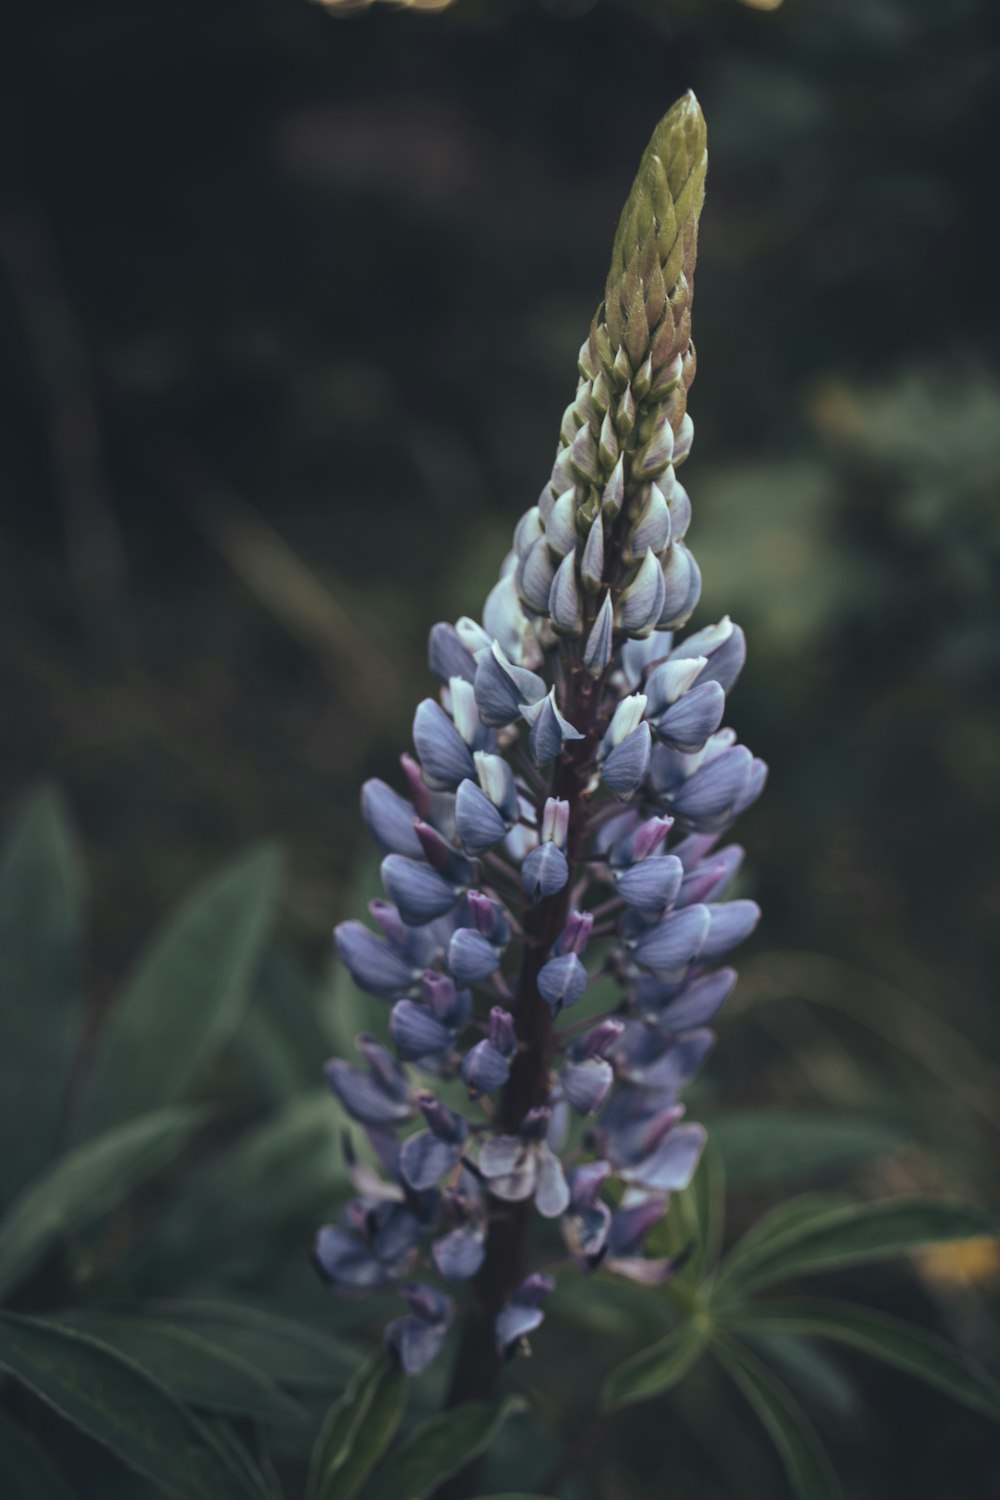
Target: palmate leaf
x,y
41,918
655,1369
121,1406
806,1461
438,1448
821,1239
26,1470
195,1371
185,998
284,1350
902,1345
358,1429
86,1183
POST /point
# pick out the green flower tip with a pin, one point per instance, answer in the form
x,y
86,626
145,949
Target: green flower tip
x,y
656,243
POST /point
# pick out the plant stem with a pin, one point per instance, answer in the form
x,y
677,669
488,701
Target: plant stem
x,y
478,1365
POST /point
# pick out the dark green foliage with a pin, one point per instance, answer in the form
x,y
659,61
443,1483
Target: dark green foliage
x,y
319,284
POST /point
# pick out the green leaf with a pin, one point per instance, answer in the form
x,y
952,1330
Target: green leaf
x,y
809,1368
438,1448
282,1035
41,921
703,1210
656,1369
894,1342
186,997
266,1191
806,1461
761,1147
195,1371
121,1406
286,1351
358,1429
85,1184
828,1239
26,1471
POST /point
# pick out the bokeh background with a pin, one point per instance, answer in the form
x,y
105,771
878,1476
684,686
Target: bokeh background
x,y
289,306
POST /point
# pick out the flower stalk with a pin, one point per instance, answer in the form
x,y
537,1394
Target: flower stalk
x,y
571,787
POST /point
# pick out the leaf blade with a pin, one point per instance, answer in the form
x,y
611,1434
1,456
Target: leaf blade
x,y
807,1464
41,927
859,1232
265,1190
120,1406
906,1347
438,1448
358,1427
186,996
194,1371
287,1351
655,1369
86,1183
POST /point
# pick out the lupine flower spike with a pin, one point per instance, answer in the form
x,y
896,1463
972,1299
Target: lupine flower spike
x,y
564,817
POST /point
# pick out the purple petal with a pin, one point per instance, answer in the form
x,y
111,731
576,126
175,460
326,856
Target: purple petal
x,y
711,877
673,1163
417,1032
414,1342
419,892
626,766
673,942
425,1158
344,1258
549,729
502,1154
534,576
697,1004
586,1232
713,791
390,818
562,981
444,756
732,922
364,1098
514,1323
371,962
545,871
688,723
484,1069
652,885
501,688
681,587
447,656
471,957
726,663
597,651
587,1084
552,1191
459,1255
479,824
657,1060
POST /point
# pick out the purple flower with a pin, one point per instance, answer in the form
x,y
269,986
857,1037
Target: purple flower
x,y
569,790
416,1338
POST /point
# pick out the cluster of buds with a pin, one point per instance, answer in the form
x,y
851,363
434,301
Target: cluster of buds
x,y
561,822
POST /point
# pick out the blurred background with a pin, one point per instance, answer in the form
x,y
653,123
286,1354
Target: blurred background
x,y
290,300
